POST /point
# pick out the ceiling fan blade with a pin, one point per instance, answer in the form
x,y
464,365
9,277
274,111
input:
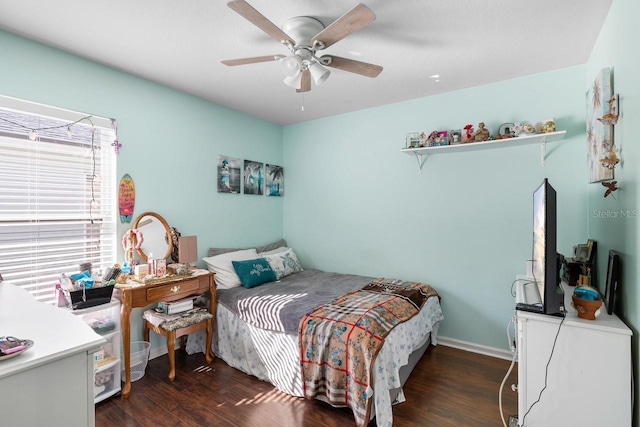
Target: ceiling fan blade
x,y
351,65
254,60
256,18
348,23
305,84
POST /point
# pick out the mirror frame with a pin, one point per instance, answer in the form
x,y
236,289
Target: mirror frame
x,y
167,231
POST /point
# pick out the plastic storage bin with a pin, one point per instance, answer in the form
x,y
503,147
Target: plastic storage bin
x,y
139,358
104,319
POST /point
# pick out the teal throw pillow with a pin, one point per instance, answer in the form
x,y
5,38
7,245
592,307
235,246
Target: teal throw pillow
x,y
254,272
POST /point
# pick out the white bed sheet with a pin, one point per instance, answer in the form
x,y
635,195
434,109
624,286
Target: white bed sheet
x,y
275,356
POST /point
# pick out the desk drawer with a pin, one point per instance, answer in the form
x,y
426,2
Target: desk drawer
x,y
174,291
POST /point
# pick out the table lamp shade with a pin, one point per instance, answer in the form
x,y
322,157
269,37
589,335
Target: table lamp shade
x,y
187,249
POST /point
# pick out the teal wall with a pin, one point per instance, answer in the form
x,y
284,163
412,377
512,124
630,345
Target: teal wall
x,y
614,223
171,142
355,203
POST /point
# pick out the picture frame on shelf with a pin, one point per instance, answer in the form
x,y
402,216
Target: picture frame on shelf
x,y
581,252
612,285
413,140
591,250
455,136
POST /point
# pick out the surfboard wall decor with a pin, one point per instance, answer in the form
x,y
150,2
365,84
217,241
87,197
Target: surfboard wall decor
x,y
126,198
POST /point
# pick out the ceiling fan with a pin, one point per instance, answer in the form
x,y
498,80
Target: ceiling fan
x,y
305,37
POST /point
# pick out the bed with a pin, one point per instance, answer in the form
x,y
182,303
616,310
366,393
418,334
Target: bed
x,y
261,331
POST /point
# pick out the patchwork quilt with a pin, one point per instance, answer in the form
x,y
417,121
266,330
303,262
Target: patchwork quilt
x,y
339,341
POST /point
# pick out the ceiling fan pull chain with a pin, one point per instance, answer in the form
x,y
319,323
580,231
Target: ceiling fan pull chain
x,y
302,101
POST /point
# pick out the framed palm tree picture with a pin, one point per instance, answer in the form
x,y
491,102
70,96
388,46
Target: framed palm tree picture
x,y
274,180
253,177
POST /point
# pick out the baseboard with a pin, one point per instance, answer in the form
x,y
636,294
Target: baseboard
x,y
475,348
157,352
161,350
448,342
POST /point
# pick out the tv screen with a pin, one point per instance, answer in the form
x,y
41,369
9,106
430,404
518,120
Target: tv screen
x,y
546,260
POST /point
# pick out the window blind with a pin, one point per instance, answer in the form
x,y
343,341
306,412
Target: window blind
x,y
57,198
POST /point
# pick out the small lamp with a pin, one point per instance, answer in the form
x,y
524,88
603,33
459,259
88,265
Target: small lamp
x,y
187,250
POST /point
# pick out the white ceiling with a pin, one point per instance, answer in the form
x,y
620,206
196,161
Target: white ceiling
x,y
181,43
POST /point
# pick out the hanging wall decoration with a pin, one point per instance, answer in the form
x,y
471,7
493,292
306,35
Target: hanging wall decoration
x,y
611,186
599,135
115,144
126,198
275,180
253,177
229,174
610,119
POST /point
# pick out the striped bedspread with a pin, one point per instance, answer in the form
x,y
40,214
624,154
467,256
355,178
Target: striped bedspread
x,y
339,341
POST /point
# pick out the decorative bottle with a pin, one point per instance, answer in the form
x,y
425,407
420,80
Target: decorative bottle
x,y
151,264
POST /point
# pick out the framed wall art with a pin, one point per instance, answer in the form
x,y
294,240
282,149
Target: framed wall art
x,y
253,177
599,135
274,180
229,174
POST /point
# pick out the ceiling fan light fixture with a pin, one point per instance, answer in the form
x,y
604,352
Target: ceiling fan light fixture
x,y
291,65
304,36
294,81
319,73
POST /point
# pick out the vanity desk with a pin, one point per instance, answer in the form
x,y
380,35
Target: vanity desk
x,y
135,294
150,234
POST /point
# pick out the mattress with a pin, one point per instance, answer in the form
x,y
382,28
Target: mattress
x,y
269,350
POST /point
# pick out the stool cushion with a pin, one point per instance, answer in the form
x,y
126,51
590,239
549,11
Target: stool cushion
x,y
186,319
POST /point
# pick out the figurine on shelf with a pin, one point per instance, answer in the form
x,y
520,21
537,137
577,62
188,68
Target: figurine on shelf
x,y
527,129
467,135
423,140
132,239
482,134
507,130
432,139
549,127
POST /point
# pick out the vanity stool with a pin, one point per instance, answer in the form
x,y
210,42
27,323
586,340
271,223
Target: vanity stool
x,y
174,329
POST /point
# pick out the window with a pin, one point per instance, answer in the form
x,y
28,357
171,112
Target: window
x,y
57,195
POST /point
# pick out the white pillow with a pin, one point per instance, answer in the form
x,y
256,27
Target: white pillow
x,y
273,251
284,263
226,277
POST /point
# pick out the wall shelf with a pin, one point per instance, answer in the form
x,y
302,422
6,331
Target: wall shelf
x,y
542,138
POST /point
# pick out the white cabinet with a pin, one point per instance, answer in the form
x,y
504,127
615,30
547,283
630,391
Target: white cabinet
x,y
51,384
105,320
588,380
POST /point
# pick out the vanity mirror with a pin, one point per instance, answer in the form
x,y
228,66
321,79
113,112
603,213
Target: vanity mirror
x,y
157,236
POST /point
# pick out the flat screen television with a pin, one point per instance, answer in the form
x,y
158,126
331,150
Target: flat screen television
x,y
546,260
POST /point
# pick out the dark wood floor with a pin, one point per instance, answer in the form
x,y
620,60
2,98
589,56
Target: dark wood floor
x,y
449,387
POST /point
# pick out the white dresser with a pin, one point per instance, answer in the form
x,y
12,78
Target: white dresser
x,y
52,383
589,377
